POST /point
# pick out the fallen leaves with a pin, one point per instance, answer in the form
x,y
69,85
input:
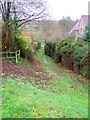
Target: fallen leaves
x,y
17,70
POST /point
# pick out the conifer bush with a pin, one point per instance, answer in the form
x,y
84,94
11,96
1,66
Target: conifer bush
x,y
70,53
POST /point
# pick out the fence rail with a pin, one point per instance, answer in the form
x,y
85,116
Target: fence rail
x,y
11,55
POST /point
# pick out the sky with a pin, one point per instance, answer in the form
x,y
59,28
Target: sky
x,y
73,8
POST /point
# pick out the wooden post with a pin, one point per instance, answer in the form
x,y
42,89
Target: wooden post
x,y
16,57
19,54
7,55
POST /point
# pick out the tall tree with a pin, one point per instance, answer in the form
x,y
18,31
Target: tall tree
x,y
17,13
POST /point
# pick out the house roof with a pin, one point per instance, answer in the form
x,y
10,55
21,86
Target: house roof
x,y
86,19
76,27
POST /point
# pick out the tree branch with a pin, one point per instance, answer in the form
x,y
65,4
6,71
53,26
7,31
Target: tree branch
x,y
2,9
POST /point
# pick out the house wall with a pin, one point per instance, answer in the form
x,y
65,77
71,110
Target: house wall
x,y
81,26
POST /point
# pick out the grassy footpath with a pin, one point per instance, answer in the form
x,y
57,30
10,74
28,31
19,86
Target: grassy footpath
x,y
66,95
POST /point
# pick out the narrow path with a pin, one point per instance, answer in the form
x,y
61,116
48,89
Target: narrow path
x,y
51,66
61,73
48,63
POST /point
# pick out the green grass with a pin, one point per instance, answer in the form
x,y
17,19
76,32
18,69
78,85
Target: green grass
x,y
22,100
66,95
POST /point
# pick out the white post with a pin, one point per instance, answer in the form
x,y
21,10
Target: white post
x,y
16,57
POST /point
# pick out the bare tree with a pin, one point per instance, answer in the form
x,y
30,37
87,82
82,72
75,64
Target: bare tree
x,y
17,13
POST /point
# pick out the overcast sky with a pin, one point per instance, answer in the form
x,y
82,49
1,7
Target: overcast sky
x,y
72,8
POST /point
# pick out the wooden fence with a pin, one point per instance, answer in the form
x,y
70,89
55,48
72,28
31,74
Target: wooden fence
x,y
10,55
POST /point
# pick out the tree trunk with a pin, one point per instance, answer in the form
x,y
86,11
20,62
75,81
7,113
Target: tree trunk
x,y
7,30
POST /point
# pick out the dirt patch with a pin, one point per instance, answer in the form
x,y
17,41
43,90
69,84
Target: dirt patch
x,y
18,70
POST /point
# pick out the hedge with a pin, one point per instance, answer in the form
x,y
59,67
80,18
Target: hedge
x,y
24,45
70,53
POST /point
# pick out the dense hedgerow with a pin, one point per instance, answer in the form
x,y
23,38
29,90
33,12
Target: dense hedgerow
x,y
50,49
24,45
70,53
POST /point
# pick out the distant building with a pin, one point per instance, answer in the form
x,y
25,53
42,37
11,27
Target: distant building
x,y
78,30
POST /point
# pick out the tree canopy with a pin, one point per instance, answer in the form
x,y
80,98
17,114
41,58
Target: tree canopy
x,y
25,10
